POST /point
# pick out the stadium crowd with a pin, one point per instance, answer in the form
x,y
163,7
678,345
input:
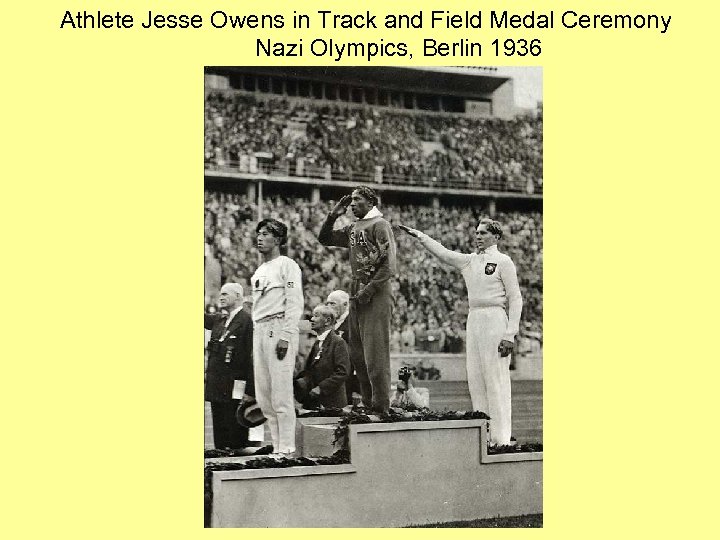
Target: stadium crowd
x,y
430,300
422,148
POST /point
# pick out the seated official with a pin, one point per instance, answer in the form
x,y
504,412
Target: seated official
x,y
322,382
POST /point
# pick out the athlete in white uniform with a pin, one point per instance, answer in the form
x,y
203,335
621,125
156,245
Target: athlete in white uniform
x,y
492,284
277,308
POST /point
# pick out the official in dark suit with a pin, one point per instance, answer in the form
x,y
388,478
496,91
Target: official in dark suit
x,y
229,360
322,382
340,302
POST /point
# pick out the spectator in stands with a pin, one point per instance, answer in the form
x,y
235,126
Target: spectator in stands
x,y
407,339
247,304
395,339
212,275
435,337
342,141
453,338
421,336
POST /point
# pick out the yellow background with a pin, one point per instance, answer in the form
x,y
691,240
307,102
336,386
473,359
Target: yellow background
x,y
102,211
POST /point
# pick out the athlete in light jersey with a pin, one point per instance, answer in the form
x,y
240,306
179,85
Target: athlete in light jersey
x,y
277,307
494,319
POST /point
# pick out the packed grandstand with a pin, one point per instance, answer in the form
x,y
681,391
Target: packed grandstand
x,y
342,140
253,135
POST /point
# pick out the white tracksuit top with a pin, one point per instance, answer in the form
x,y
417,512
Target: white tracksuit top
x,y
490,278
277,288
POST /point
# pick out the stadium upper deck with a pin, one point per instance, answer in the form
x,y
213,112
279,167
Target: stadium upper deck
x,y
280,130
464,90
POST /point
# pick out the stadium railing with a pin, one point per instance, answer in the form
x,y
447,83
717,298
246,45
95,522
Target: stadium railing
x,y
493,184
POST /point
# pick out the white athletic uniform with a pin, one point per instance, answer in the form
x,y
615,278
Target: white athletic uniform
x,y
277,308
491,281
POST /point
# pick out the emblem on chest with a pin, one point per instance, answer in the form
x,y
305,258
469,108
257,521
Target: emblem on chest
x,y
490,269
358,238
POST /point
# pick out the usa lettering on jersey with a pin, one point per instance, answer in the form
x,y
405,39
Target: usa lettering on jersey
x,y
357,238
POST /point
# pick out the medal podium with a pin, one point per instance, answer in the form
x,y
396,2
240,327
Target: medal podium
x,y
400,474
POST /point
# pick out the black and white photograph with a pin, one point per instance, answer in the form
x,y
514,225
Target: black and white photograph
x,y
373,297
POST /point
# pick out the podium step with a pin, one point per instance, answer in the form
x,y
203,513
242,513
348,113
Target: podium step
x,y
317,440
527,406
458,481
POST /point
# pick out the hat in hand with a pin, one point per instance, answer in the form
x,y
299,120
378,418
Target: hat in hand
x,y
249,415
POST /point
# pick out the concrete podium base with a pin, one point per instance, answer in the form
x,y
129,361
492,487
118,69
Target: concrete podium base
x,y
407,473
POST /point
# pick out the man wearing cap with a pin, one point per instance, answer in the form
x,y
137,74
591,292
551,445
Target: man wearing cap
x,y
229,367
277,308
322,382
372,260
340,302
492,284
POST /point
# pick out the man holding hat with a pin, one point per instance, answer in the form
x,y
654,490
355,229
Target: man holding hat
x,y
229,374
249,415
372,260
277,308
492,285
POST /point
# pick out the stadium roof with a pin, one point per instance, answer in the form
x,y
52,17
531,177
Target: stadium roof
x,y
451,81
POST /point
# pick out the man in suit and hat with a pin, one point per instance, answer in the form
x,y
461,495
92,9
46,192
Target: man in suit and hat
x,y
322,382
229,367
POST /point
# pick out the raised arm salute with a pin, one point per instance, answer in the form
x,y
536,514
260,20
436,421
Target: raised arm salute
x,y
329,237
373,263
453,258
494,319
